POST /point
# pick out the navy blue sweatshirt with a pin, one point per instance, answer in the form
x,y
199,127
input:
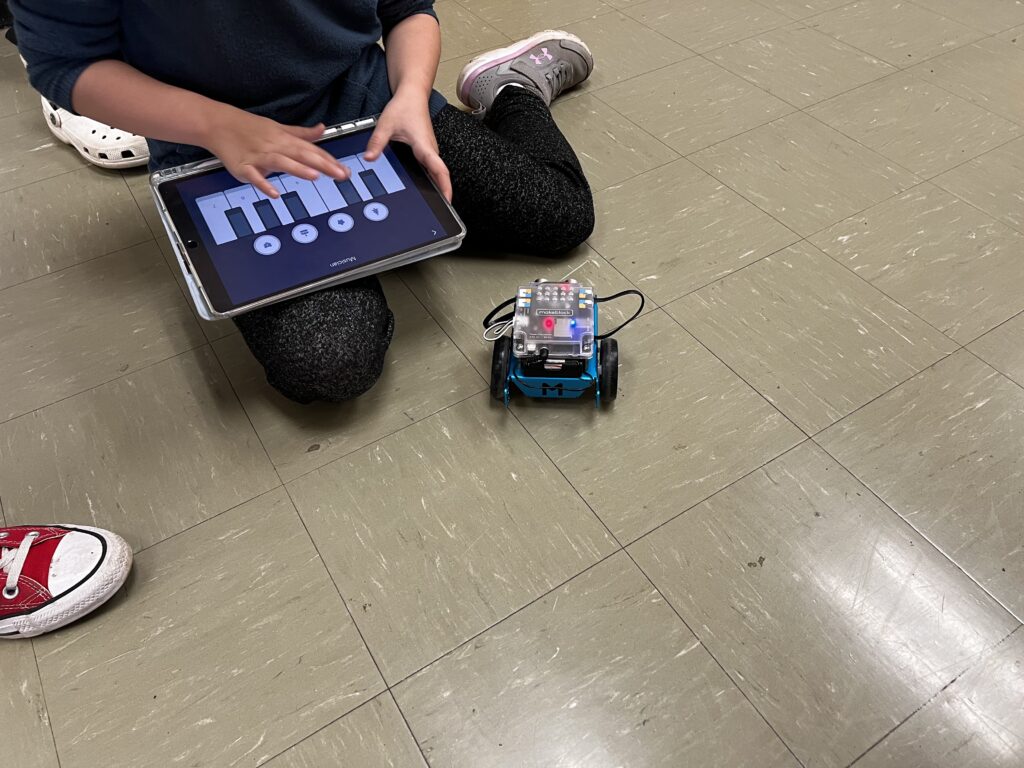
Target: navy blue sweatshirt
x,y
296,61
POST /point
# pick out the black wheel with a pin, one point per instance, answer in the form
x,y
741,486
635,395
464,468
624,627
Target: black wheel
x,y
608,369
501,359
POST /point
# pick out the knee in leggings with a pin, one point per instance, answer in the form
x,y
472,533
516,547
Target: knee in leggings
x,y
324,348
328,371
569,227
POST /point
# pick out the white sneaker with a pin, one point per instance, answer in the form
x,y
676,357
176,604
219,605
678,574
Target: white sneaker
x,y
51,575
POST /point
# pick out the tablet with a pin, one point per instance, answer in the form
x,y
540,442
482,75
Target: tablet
x,y
240,250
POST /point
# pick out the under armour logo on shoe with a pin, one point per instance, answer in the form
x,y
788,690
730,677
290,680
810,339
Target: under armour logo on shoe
x,y
544,56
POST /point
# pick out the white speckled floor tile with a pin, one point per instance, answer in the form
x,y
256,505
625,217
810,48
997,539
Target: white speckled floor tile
x,y
63,221
229,645
974,723
600,672
694,104
989,73
624,48
701,25
676,229
610,147
990,16
800,65
22,708
833,616
993,182
147,455
70,331
373,736
1002,348
944,451
804,173
437,532
895,31
949,263
813,338
916,124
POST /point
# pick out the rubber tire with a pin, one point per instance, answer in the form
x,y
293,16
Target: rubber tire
x,y
608,369
501,360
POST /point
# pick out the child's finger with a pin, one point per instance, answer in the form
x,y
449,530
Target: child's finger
x,y
308,133
285,164
325,162
258,180
435,167
378,141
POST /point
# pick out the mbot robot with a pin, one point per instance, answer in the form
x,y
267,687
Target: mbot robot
x,y
549,345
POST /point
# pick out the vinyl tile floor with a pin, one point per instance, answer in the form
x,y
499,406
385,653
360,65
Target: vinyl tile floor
x,y
796,539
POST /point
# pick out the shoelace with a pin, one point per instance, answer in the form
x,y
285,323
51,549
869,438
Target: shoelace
x,y
12,561
559,77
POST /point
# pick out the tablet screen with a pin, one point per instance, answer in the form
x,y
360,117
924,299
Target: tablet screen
x,y
247,246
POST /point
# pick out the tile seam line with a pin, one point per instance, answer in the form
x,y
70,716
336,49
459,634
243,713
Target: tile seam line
x,y
848,268
763,4
919,175
750,386
718,279
788,21
376,440
945,556
193,526
119,377
896,69
408,727
514,37
390,687
899,67
463,643
46,707
845,91
321,729
344,603
984,362
568,482
65,268
157,239
1019,228
248,418
714,658
597,94
807,239
691,159
44,178
932,698
961,23
724,488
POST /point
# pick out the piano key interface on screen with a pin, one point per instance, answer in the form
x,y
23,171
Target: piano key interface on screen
x,y
244,210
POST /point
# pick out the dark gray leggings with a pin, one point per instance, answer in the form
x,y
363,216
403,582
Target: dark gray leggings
x,y
517,185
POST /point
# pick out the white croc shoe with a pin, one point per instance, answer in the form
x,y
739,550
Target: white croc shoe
x,y
51,575
98,143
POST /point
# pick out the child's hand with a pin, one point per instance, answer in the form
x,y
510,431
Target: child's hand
x,y
252,147
407,119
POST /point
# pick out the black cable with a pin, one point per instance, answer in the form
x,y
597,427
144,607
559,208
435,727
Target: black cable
x,y
491,320
619,295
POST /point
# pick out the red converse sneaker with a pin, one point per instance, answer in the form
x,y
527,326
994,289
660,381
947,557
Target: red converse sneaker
x,y
52,575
